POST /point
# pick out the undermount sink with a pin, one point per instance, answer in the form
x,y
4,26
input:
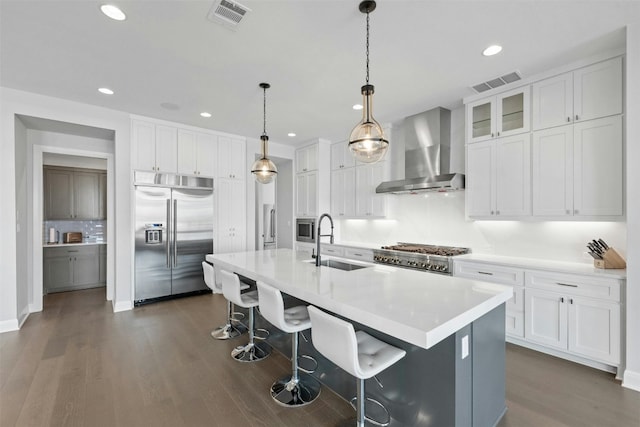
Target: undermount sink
x,y
340,265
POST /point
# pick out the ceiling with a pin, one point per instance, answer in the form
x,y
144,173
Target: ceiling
x,y
423,54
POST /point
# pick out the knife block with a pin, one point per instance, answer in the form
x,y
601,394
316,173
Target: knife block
x,y
610,259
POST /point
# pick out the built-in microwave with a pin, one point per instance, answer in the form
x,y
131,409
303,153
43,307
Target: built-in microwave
x,y
306,230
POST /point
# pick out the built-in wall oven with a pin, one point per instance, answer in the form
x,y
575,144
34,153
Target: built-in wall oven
x,y
306,230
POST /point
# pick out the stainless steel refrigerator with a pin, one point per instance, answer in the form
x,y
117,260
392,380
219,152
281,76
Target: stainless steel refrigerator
x,y
173,234
269,226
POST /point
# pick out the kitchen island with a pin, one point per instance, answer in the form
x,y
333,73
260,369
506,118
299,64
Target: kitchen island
x,y
451,328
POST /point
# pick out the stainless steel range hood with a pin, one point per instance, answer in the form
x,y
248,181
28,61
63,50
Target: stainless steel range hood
x,y
427,155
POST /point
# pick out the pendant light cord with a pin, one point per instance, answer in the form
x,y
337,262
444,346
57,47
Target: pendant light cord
x,y
367,49
264,109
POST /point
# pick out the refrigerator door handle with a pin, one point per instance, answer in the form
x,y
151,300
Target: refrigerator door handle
x,y
273,223
168,230
175,232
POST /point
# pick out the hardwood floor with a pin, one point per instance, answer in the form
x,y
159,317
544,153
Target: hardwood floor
x,y
78,364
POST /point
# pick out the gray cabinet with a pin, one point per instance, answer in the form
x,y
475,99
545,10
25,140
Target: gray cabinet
x,y
103,264
74,194
70,268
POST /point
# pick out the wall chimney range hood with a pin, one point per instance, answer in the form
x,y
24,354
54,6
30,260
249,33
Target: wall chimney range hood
x,y
427,139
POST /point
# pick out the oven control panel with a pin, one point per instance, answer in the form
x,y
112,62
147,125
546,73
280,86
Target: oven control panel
x,y
433,264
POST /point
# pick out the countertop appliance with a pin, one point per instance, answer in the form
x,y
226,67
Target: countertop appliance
x,y
435,259
306,230
72,237
269,226
173,234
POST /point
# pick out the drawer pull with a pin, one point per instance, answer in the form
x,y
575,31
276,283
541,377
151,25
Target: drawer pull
x,y
72,251
485,272
566,284
357,255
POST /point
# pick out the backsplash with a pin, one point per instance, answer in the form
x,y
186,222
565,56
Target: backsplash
x,y
92,231
438,218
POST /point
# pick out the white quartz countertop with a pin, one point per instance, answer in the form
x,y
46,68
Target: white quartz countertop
x,y
417,307
56,245
542,264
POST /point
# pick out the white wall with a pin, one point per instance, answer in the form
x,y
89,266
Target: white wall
x,y
22,219
65,140
64,160
284,194
632,374
12,103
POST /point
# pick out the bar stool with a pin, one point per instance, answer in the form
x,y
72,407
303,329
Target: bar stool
x,y
358,353
228,330
297,389
252,351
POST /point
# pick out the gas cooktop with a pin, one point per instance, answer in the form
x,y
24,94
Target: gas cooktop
x,y
437,259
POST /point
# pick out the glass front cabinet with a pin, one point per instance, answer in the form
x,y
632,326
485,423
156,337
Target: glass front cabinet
x,y
500,115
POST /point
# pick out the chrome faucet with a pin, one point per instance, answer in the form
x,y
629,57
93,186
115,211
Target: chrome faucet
x,y
319,235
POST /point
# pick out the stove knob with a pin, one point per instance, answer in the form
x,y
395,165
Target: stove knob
x,y
445,268
397,261
423,265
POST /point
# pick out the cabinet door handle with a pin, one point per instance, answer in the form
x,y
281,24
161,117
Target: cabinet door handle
x,y
562,300
498,133
485,272
567,284
491,212
568,119
570,300
568,211
576,117
491,134
497,212
576,211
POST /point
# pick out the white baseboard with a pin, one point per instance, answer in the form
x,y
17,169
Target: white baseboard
x,y
9,325
35,308
122,306
23,316
631,380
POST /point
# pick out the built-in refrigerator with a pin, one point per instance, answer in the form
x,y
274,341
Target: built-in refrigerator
x,y
269,226
173,234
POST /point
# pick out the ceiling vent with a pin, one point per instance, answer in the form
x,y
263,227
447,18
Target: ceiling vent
x,y
497,82
228,12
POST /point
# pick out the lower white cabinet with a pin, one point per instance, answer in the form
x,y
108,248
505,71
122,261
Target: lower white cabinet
x,y
570,314
231,214
307,250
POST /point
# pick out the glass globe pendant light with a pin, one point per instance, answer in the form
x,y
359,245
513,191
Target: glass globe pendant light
x,y
367,142
264,169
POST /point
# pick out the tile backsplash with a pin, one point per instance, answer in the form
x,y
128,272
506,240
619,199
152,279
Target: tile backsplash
x,y
92,231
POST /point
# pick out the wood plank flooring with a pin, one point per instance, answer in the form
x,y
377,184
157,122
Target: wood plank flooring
x,y
78,364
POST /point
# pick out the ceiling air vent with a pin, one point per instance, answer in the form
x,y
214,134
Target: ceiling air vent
x,y
497,82
227,12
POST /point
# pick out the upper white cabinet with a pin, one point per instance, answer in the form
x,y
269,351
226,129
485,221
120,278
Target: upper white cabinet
x,y
502,115
587,93
231,158
343,192
307,158
313,179
156,147
369,204
577,169
197,153
231,215
499,177
341,156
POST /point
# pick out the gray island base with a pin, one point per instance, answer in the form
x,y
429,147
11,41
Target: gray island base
x,y
454,382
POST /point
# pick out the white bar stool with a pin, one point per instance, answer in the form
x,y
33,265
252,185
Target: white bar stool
x,y
252,352
358,353
297,389
228,330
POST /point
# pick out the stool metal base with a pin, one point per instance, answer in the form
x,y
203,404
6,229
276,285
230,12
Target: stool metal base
x,y
228,331
291,392
251,352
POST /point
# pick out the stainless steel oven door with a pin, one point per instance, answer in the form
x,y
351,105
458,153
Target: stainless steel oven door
x,y
306,230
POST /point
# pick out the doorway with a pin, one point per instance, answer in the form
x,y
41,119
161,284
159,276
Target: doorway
x,y
274,209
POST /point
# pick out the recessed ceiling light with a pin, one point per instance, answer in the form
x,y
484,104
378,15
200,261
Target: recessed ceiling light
x,y
113,12
291,134
205,114
357,107
105,90
492,50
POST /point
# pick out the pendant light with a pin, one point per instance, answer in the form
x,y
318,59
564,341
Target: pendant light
x,y
367,141
263,168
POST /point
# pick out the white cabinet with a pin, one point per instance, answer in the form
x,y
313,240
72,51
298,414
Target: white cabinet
x,y
499,177
197,153
343,192
369,204
577,169
577,314
514,313
307,196
341,156
307,159
307,250
329,249
585,94
156,147
231,214
232,158
502,115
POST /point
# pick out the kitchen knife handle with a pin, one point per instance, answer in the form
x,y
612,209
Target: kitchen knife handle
x,y
168,230
566,284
